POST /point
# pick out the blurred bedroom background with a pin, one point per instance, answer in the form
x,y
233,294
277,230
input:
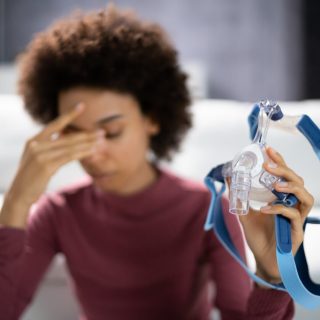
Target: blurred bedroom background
x,y
240,49
235,52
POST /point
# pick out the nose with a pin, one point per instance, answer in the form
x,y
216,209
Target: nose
x,y
101,152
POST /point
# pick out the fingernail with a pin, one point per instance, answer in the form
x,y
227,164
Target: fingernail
x,y
272,165
265,208
282,184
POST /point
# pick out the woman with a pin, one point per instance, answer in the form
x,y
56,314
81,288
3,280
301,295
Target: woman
x,y
111,94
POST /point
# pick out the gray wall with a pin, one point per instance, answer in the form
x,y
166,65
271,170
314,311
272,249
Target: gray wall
x,y
248,49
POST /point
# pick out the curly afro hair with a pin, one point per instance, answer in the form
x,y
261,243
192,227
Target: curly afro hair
x,y
110,49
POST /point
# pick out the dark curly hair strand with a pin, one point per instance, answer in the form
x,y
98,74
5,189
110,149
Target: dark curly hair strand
x,y
115,50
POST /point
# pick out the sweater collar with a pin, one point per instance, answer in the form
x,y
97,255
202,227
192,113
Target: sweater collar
x,y
141,201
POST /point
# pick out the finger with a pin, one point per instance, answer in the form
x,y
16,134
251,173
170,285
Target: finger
x,y
76,155
280,168
275,156
275,163
296,222
60,123
68,140
57,158
291,213
305,198
283,172
67,151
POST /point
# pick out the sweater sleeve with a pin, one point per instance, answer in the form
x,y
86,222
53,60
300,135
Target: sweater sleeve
x,y
24,257
236,295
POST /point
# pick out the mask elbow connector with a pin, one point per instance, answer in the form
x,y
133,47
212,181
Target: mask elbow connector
x,y
239,191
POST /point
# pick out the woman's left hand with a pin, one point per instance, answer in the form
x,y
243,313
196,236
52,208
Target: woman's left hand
x,y
259,225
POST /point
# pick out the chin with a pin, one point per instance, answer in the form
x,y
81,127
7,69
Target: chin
x,y
105,182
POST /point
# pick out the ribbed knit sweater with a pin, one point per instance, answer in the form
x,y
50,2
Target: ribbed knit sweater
x,y
144,256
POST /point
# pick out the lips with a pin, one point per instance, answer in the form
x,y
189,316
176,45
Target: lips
x,y
100,175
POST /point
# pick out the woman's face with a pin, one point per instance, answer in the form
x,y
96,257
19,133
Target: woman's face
x,y
119,165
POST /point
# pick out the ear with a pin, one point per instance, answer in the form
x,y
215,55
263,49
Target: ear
x,y
152,127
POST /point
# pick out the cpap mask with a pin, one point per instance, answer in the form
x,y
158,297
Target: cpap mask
x,y
249,181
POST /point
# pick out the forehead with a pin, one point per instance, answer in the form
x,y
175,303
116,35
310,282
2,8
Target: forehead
x,y
99,103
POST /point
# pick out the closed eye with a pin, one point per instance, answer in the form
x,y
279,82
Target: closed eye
x,y
113,135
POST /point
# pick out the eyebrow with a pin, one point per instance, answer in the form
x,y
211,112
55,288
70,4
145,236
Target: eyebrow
x,y
101,121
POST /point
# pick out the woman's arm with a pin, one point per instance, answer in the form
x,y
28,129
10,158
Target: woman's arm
x,y
25,255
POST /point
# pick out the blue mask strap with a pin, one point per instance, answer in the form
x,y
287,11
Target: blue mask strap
x,y
310,130
305,125
253,119
294,270
215,220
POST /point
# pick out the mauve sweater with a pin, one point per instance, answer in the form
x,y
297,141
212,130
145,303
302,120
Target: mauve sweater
x,y
141,257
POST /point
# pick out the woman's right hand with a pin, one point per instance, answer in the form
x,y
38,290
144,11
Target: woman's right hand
x,y
43,156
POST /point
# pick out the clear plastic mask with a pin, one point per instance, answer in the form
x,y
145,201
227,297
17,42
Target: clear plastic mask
x,y
249,181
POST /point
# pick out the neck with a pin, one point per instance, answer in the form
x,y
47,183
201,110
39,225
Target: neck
x,y
143,178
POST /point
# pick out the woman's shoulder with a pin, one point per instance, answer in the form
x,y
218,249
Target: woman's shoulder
x,y
183,181
66,195
186,186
